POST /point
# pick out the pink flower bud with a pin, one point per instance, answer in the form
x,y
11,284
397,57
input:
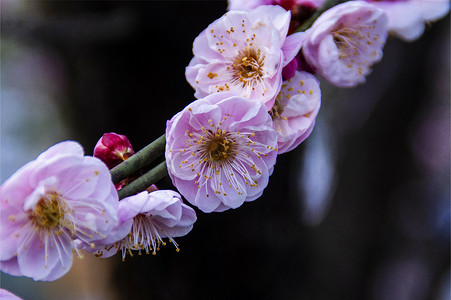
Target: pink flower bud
x,y
113,148
289,70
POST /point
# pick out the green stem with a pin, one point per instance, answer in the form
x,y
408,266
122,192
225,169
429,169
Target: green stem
x,y
144,181
139,160
309,22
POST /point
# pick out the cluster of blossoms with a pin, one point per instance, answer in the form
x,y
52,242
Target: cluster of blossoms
x,y
257,97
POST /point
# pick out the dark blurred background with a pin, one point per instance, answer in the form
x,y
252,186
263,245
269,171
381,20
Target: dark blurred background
x,y
360,210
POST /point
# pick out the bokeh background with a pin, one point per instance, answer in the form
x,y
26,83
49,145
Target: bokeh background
x,y
361,210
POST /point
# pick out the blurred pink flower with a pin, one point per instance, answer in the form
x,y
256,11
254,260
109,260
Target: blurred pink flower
x,y
145,220
113,148
6,295
48,204
220,151
406,18
345,41
295,110
244,52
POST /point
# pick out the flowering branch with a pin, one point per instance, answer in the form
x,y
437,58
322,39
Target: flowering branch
x,y
253,103
141,159
144,181
308,23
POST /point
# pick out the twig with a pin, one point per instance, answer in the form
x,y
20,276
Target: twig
x,y
144,181
139,160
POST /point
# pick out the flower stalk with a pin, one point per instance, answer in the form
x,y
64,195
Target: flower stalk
x,y
139,160
144,181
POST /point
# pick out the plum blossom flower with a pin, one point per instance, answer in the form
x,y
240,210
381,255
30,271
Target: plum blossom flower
x,y
220,151
145,220
7,295
295,110
59,197
244,52
406,18
113,148
300,10
345,41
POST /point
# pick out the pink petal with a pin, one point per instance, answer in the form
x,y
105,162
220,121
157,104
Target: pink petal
x,y
291,46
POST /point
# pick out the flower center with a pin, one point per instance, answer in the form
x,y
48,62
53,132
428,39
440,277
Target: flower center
x,y
224,161
359,48
48,213
248,65
346,40
219,148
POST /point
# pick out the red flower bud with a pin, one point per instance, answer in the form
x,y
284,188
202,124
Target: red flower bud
x,y
113,148
290,69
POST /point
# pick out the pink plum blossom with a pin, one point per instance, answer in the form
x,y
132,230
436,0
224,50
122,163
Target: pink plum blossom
x,y
244,52
406,18
300,10
220,151
7,295
50,202
145,220
295,110
113,148
345,41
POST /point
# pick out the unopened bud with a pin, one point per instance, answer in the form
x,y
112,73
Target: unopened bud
x,y
113,148
290,69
